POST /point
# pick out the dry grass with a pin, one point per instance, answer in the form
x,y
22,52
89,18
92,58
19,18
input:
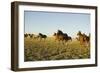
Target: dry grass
x,y
49,49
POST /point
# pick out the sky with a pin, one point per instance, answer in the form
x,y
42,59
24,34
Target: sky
x,y
49,22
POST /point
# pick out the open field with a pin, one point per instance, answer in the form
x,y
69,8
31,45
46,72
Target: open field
x,y
49,49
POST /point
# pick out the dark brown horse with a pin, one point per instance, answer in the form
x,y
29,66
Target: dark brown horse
x,y
25,35
42,36
60,36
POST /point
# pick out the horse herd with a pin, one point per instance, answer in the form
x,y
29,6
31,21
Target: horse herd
x,y
61,36
39,36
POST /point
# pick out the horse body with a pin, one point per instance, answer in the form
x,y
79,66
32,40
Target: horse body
x,y
69,38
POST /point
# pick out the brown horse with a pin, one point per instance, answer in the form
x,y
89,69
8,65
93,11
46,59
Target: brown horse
x,y
83,38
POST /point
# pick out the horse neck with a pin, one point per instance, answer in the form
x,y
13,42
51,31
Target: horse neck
x,y
80,36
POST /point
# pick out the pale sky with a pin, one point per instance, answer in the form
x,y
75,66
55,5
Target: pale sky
x,y
49,22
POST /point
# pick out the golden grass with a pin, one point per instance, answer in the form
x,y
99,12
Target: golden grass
x,y
49,49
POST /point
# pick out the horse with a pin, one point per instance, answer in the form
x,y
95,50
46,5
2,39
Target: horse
x,y
83,38
25,35
42,36
36,36
60,36
31,35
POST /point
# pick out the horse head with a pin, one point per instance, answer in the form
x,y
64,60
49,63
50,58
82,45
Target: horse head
x,y
79,33
59,32
54,34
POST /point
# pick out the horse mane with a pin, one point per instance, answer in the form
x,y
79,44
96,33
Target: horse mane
x,y
59,32
79,33
40,34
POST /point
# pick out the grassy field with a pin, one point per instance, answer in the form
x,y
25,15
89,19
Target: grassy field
x,y
49,49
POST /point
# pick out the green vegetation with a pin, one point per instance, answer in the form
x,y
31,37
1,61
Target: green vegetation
x,y
49,49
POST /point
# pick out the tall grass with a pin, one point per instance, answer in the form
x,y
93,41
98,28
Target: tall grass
x,y
49,49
